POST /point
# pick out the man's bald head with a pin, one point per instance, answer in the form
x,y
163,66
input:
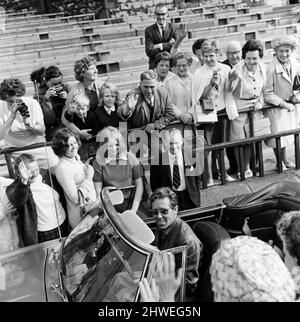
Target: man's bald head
x,y
234,52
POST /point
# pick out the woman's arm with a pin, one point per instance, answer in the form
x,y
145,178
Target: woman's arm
x,y
68,124
37,118
138,194
65,177
98,187
4,128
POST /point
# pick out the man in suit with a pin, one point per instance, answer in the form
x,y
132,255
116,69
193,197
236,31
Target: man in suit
x,y
147,105
176,172
234,55
161,35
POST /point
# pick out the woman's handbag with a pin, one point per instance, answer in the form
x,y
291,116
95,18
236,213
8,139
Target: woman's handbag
x,y
260,127
204,112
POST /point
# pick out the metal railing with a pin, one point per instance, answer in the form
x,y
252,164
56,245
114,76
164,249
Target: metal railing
x,y
256,144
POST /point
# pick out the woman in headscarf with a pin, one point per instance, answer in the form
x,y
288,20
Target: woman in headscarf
x,y
278,93
246,269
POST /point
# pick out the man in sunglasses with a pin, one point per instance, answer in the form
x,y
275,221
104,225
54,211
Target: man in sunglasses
x,y
160,36
172,232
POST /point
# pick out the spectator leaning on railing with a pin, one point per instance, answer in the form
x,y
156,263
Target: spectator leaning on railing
x,y
247,81
148,105
278,94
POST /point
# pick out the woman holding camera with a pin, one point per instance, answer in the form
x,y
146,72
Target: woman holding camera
x,y
51,93
21,122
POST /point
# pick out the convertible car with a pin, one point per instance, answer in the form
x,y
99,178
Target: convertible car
x,y
105,257
102,260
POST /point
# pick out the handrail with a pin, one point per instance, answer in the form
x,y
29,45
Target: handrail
x,y
207,148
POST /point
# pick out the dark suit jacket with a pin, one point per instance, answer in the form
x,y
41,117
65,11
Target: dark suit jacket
x,y
162,115
104,119
160,176
153,37
226,62
21,198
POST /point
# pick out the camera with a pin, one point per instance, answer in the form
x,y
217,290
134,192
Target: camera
x,y
58,90
24,111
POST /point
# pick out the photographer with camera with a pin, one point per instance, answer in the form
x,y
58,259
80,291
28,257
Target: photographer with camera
x,y
51,93
21,122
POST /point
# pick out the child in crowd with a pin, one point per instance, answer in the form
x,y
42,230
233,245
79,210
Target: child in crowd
x,y
106,112
80,115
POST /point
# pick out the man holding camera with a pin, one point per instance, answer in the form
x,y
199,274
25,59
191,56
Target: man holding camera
x,y
160,36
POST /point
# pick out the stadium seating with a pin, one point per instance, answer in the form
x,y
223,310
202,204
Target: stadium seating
x,y
31,41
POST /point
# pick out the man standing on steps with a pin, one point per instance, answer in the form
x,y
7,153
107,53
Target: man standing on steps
x,y
160,36
234,55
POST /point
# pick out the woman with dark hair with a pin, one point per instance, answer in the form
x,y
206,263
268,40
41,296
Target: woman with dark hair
x,y
21,122
162,66
86,73
282,73
51,93
73,175
247,80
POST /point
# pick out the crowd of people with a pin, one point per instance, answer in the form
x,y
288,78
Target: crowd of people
x,y
181,93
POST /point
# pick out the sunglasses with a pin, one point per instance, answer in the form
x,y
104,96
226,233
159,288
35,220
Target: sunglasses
x,y
155,212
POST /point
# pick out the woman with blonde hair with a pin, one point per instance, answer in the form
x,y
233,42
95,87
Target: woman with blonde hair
x,y
114,166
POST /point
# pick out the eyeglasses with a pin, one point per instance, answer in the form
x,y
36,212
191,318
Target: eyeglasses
x,y
160,14
34,172
155,212
233,52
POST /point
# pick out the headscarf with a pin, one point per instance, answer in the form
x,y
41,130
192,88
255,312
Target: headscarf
x,y
286,40
246,269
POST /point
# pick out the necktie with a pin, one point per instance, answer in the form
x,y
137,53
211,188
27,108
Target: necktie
x,y
162,33
176,175
286,68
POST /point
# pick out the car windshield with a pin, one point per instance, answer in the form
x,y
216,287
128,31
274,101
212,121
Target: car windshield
x,y
102,261
22,273
99,265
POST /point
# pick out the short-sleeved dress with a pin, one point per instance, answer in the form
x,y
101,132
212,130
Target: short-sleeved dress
x,y
121,173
